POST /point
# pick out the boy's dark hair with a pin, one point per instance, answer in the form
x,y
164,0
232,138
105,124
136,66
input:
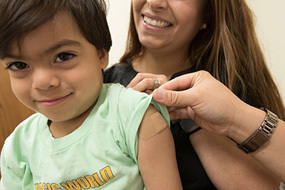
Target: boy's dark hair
x,y
19,17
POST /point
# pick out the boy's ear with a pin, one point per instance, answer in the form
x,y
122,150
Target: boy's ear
x,y
104,58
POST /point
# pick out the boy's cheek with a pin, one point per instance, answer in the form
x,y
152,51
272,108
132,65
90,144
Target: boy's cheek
x,y
20,90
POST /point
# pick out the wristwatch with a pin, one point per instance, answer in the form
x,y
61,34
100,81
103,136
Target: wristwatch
x,y
262,134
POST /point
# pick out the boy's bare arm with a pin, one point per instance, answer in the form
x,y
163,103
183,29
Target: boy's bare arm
x,y
156,153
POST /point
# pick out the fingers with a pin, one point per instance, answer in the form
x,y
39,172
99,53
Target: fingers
x,y
146,82
185,81
181,113
143,85
183,91
174,98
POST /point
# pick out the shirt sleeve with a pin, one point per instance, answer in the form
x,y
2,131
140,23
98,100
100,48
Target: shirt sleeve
x,y
15,174
10,178
133,106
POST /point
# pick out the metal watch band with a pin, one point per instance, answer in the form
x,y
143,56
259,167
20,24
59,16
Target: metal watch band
x,y
262,134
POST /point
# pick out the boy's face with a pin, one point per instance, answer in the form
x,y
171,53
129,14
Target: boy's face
x,y
54,70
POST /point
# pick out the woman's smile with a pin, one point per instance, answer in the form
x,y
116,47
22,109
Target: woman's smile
x,y
155,23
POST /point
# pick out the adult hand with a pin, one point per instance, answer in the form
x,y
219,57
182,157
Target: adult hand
x,y
202,98
147,82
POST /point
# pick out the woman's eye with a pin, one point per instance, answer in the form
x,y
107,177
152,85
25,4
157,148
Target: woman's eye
x,y
64,57
17,66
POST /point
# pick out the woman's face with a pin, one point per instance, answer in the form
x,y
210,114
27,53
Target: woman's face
x,y
168,24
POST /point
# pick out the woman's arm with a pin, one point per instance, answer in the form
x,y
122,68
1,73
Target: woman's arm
x,y
228,167
156,153
214,107
272,153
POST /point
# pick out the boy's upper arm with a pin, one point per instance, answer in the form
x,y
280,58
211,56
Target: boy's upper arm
x,y
156,153
152,124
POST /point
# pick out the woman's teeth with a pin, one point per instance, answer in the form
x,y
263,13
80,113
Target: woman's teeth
x,y
155,23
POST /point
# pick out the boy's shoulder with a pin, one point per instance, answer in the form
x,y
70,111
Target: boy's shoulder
x,y
118,91
122,101
128,101
34,119
27,128
127,97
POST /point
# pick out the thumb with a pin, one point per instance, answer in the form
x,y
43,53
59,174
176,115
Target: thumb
x,y
171,98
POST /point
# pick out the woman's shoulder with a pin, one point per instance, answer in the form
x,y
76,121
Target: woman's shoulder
x,y
119,73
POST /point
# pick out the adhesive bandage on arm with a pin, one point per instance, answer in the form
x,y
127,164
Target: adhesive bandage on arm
x,y
151,125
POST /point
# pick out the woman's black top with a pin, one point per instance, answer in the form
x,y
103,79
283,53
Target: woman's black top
x,y
192,173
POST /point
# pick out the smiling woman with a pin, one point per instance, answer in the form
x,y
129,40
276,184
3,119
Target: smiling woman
x,y
268,25
169,38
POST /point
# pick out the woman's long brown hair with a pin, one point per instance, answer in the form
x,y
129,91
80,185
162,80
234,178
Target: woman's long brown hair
x,y
229,49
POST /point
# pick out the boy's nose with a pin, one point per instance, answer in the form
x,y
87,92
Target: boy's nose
x,y
157,4
45,79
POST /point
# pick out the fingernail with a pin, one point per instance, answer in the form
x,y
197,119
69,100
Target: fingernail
x,y
159,94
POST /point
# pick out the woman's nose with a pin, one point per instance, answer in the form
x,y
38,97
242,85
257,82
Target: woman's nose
x,y
45,79
157,4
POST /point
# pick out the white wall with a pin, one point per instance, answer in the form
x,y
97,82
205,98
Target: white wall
x,y
270,27
118,18
269,24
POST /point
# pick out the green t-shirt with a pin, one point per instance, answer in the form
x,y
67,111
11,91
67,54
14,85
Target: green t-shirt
x,y
100,154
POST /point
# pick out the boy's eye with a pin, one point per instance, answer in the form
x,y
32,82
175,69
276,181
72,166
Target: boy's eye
x,y
17,66
64,57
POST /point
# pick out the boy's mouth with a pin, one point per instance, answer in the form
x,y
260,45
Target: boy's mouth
x,y
53,101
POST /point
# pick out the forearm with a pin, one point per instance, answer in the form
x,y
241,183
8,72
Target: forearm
x,y
271,153
246,121
227,166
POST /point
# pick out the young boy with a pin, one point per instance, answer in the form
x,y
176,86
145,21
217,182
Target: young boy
x,y
86,134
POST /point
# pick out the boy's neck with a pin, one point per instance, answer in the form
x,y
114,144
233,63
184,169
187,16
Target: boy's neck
x,y
59,130
64,128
